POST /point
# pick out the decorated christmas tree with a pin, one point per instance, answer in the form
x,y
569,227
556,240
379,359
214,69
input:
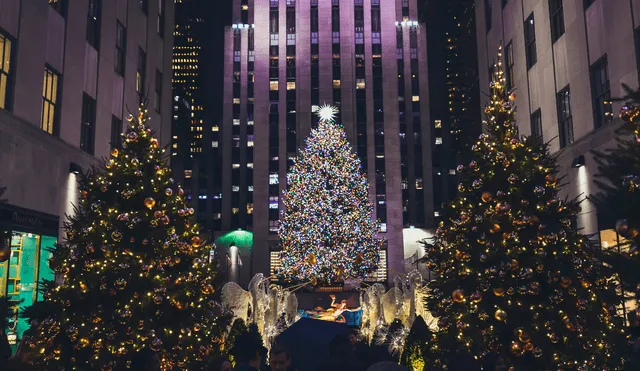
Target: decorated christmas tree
x,y
135,272
328,233
514,277
618,199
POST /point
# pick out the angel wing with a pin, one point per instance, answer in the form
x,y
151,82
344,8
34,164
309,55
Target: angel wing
x,y
391,304
237,300
291,309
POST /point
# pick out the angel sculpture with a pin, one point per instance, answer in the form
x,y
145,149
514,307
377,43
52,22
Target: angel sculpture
x,y
371,311
247,305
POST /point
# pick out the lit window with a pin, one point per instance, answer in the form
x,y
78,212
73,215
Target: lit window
x,y
273,202
215,128
250,123
273,85
452,171
217,216
250,188
235,210
249,140
236,100
214,144
415,98
235,166
418,183
383,227
188,174
436,214
49,100
336,84
250,208
273,178
438,124
250,165
438,140
291,85
360,84
235,188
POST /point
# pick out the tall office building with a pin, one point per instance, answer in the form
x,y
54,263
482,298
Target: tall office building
x,y
565,60
194,157
453,90
368,58
70,71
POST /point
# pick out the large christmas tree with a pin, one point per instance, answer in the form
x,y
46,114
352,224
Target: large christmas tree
x,y
514,277
136,273
328,232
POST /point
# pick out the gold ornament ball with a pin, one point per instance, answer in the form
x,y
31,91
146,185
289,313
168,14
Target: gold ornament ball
x,y
458,296
524,337
517,349
157,299
476,297
158,214
84,342
498,291
528,347
196,241
550,179
565,282
5,251
500,315
154,142
487,197
168,191
114,152
149,202
495,229
512,96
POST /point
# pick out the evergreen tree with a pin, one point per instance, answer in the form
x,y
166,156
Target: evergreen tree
x,y
328,232
618,198
135,271
513,275
416,347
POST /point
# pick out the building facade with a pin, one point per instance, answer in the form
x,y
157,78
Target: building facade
x,y
285,57
69,74
565,61
454,91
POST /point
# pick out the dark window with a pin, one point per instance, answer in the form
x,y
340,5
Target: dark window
x,y
116,132
509,63
158,96
49,119
530,41
87,128
160,24
144,6
601,93
121,48
587,3
536,123
565,118
273,21
504,3
488,10
141,74
6,73
58,5
556,13
93,23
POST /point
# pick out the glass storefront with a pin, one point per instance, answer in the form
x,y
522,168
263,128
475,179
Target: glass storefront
x,y
19,276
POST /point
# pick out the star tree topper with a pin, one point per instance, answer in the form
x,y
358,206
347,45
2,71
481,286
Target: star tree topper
x,y
327,112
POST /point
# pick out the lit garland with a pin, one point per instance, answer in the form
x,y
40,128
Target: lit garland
x,y
514,277
135,271
328,233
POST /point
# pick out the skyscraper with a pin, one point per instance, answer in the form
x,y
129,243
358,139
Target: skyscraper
x,y
284,57
191,158
453,90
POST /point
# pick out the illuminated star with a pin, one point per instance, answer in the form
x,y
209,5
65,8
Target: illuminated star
x,y
327,112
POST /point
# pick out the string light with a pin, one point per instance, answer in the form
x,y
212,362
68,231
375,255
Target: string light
x,y
328,233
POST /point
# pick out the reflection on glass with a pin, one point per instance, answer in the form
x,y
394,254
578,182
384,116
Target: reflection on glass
x,y
19,276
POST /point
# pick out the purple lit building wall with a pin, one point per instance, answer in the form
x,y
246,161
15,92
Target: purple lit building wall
x,y
282,58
